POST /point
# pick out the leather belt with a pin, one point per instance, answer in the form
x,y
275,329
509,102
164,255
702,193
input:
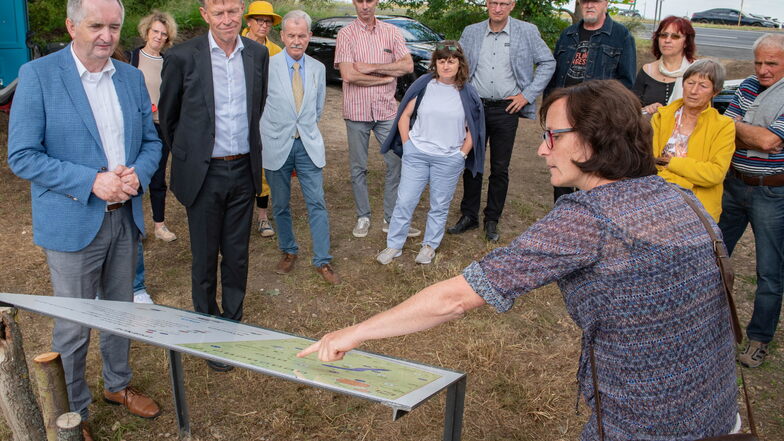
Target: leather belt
x,y
766,181
112,207
495,103
231,157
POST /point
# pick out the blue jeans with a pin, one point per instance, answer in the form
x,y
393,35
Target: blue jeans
x,y
311,182
763,207
138,279
418,170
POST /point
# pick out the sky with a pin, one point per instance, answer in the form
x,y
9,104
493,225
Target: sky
x,y
773,8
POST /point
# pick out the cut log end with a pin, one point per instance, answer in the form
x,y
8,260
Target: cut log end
x,y
46,357
69,420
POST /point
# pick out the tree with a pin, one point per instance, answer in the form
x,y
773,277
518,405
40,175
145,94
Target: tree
x,y
450,17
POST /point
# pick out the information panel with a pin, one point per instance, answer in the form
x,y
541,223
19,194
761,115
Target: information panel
x,y
397,383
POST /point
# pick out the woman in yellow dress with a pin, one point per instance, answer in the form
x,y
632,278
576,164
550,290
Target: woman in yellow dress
x,y
260,19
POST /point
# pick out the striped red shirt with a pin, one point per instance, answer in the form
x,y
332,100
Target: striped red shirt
x,y
382,44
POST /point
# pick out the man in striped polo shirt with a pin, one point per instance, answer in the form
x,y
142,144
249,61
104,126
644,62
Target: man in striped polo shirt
x,y
371,55
754,188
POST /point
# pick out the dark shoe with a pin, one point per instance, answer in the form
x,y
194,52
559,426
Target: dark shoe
x,y
219,367
464,224
491,231
87,434
286,264
133,400
326,272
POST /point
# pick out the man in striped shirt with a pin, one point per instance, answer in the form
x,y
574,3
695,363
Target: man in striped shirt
x,y
371,55
754,188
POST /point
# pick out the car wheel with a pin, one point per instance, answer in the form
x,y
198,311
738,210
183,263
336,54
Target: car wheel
x,y
703,20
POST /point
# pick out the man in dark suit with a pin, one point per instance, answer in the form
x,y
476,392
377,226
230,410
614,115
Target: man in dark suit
x,y
212,95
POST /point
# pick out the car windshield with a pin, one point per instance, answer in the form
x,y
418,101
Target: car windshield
x,y
414,32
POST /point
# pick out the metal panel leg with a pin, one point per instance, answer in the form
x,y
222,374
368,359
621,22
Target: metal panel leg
x,y
453,416
178,390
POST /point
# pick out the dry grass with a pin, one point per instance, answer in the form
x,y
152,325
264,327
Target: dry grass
x,y
521,365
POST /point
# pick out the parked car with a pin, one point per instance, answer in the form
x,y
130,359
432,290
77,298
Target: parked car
x,y
730,17
722,100
629,13
420,41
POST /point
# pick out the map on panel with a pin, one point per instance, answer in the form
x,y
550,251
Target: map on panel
x,y
356,372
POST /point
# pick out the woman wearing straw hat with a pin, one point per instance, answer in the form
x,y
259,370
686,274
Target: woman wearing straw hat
x,y
260,19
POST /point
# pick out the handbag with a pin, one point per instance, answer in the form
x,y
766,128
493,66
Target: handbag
x,y
727,279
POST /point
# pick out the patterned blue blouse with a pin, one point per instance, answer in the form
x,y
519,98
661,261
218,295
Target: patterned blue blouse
x,y
638,276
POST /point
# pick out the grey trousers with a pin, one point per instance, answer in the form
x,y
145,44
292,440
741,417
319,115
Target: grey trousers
x,y
104,269
358,138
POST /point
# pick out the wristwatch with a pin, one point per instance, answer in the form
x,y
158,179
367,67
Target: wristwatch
x,y
465,155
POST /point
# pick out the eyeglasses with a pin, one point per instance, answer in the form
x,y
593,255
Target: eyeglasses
x,y
449,47
503,5
263,21
547,136
673,35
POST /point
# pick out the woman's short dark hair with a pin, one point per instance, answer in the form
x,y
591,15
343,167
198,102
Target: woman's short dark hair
x,y
683,25
450,49
608,117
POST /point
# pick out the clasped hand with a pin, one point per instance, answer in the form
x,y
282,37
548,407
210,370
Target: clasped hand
x,y
117,185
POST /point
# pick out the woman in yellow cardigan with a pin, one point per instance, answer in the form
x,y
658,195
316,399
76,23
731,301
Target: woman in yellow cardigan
x,y
693,144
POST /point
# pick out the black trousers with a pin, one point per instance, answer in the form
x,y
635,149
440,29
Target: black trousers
x,y
501,128
219,222
158,183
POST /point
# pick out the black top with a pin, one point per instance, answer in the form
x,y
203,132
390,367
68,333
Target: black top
x,y
576,72
650,90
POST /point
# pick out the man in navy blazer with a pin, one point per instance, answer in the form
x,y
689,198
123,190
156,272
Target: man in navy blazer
x,y
81,132
213,89
292,141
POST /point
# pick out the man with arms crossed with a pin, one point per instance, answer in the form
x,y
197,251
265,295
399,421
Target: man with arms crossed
x,y
502,52
81,132
754,188
292,141
595,48
371,55
212,96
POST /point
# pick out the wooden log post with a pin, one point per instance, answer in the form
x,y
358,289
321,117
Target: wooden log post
x,y
52,394
16,396
69,427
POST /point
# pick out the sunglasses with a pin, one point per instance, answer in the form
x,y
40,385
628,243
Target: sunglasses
x,y
449,47
547,136
673,35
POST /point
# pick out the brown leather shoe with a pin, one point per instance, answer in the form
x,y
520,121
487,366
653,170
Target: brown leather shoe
x,y
326,272
133,400
86,433
286,264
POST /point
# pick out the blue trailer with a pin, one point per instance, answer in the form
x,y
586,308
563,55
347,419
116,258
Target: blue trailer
x,y
14,50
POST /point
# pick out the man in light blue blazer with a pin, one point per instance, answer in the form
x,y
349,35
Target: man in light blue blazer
x,y
81,132
292,141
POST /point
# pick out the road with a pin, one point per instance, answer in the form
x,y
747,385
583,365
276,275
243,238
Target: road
x,y
720,43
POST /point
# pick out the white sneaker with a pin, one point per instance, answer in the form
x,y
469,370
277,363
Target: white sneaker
x,y
385,257
362,227
425,255
164,234
412,232
142,297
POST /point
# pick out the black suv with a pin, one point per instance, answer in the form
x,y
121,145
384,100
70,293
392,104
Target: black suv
x,y
420,40
730,17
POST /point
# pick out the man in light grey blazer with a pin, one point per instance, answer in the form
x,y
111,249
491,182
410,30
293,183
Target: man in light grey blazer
x,y
502,53
292,141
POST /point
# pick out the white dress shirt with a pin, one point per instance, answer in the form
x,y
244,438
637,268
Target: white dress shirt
x,y
231,109
105,106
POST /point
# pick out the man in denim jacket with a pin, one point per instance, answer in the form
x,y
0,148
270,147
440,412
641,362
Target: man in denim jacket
x,y
595,48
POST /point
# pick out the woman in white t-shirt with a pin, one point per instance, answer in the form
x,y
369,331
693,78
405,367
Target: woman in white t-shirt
x,y
438,121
